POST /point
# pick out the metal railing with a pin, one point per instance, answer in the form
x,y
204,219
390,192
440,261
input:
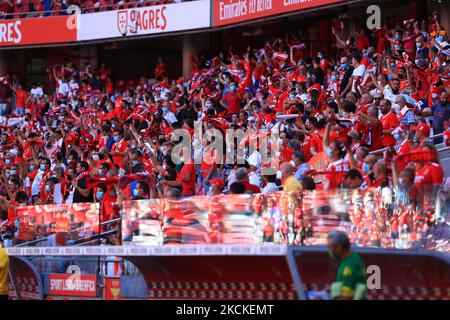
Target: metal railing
x,y
109,7
97,236
432,137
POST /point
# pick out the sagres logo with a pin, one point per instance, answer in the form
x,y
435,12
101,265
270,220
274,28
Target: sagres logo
x,y
122,21
374,20
73,20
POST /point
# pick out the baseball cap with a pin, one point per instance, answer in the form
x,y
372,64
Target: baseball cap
x,y
218,182
422,128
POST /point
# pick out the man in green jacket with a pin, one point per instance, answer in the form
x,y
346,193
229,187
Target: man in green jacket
x,y
351,275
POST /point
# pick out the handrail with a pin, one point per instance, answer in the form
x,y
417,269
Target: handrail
x,y
96,238
432,137
71,231
38,14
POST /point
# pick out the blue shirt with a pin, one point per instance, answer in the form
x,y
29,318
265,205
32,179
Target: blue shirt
x,y
408,118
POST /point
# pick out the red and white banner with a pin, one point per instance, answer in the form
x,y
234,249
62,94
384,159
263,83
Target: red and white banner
x,y
234,11
78,285
146,20
31,31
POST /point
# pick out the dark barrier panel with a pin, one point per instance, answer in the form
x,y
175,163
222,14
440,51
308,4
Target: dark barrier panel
x,y
263,272
216,277
403,274
24,280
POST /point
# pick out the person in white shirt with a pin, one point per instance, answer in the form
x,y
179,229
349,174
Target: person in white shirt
x,y
357,75
254,161
270,178
36,90
169,115
43,167
63,87
73,85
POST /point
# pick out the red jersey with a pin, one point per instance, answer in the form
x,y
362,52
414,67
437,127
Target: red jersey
x,y
404,147
389,121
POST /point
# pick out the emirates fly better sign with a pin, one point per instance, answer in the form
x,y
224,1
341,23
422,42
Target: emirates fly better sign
x,y
145,20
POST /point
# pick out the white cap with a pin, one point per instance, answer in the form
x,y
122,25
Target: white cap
x,y
255,159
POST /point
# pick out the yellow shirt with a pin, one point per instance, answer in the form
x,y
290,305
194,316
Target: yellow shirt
x,y
291,184
4,266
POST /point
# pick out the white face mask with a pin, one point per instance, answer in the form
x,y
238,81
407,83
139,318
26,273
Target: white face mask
x,y
95,157
292,162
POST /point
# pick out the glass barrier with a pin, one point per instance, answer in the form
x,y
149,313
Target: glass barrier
x,y
371,219
61,224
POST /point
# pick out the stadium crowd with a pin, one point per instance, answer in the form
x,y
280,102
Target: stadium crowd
x,y
42,8
90,139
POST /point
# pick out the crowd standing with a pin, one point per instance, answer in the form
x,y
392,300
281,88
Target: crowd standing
x,y
385,90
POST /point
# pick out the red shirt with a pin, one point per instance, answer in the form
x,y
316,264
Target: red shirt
x,y
251,187
188,186
21,97
233,102
389,121
405,147
120,146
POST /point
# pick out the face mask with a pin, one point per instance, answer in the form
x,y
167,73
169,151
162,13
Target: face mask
x,y
328,152
121,172
116,138
135,162
99,195
297,90
356,157
366,167
100,172
133,146
95,157
42,167
31,168
343,66
397,37
396,136
165,110
292,162
7,161
47,188
135,192
439,39
166,98
232,88
14,152
292,96
418,44
114,126
401,180
417,62
12,172
333,78
7,175
389,77
217,87
164,166
208,105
